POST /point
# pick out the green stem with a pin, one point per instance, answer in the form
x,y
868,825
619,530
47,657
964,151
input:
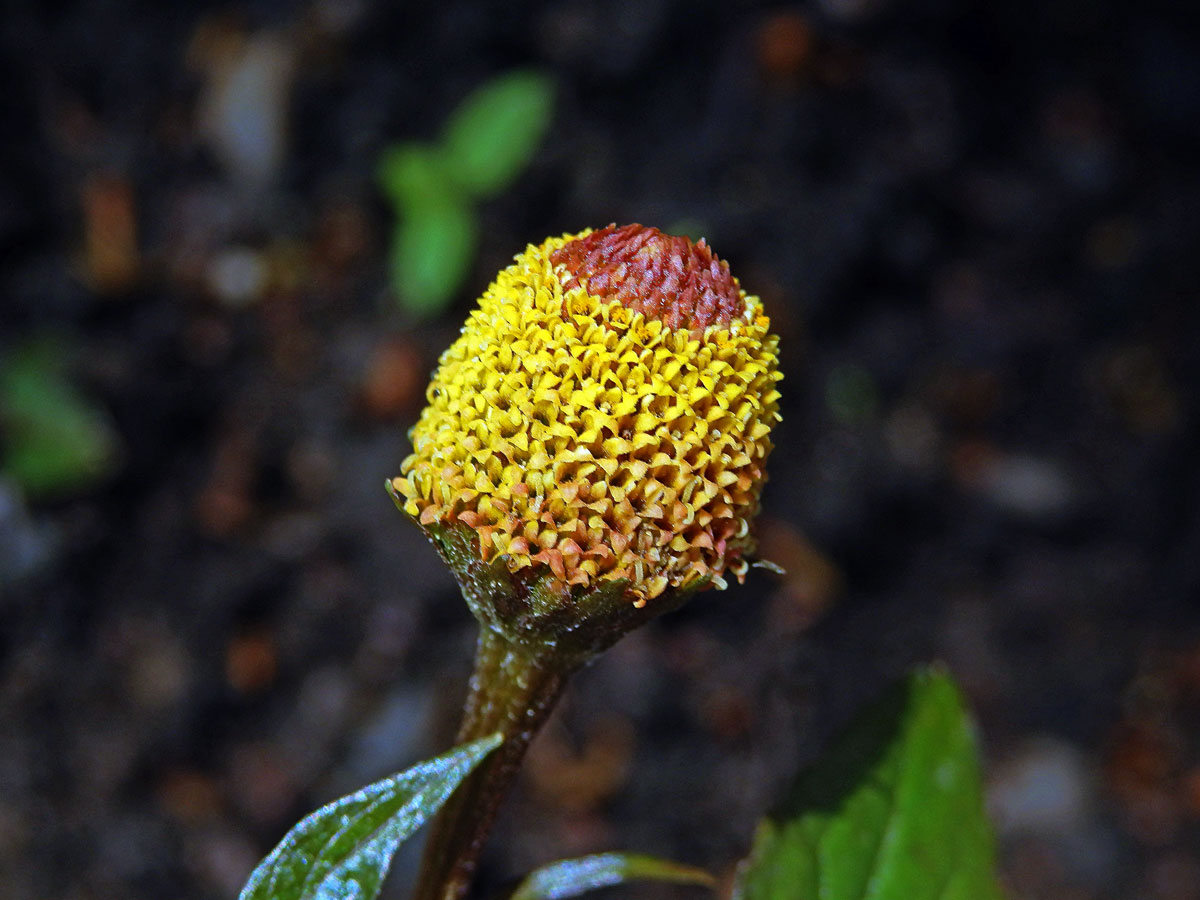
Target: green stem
x,y
512,692
534,632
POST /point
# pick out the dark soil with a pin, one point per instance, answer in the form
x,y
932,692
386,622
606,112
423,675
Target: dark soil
x,y
975,227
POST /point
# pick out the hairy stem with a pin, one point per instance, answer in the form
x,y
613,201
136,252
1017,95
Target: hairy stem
x,y
512,692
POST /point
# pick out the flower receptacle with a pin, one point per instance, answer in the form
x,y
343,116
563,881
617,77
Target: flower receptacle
x,y
534,610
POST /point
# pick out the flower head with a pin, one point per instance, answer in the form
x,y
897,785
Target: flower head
x,y
604,416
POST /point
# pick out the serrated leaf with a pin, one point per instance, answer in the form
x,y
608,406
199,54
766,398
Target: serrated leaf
x,y
894,811
55,440
343,850
571,877
433,247
494,132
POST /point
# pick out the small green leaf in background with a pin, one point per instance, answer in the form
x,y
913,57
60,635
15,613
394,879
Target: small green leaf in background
x,y
571,877
413,174
487,141
432,250
494,132
433,243
894,810
55,441
343,850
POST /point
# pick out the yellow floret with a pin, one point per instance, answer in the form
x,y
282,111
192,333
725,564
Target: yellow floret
x,y
574,434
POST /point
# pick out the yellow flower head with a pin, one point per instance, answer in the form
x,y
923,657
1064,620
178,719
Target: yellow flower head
x,y
604,415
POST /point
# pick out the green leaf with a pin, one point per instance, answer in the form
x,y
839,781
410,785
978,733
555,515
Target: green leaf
x,y
570,877
413,174
433,244
494,132
894,811
56,441
343,850
433,247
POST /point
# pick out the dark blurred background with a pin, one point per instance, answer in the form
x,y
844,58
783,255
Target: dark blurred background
x,y
975,227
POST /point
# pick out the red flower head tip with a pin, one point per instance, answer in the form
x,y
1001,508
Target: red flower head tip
x,y
663,277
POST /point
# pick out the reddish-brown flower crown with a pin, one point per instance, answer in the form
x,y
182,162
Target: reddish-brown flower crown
x,y
664,277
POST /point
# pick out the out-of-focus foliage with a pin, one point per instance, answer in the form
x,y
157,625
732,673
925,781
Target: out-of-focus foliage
x,y
488,140
892,811
55,441
493,134
433,242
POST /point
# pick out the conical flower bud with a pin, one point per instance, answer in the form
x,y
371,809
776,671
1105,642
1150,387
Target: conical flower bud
x,y
603,418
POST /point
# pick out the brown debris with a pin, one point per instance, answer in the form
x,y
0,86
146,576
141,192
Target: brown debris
x,y
810,581
1153,765
784,44
110,257
190,796
579,780
394,380
250,662
224,504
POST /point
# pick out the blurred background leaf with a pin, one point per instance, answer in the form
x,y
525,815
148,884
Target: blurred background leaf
x,y
488,140
892,811
433,246
412,174
55,440
495,131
